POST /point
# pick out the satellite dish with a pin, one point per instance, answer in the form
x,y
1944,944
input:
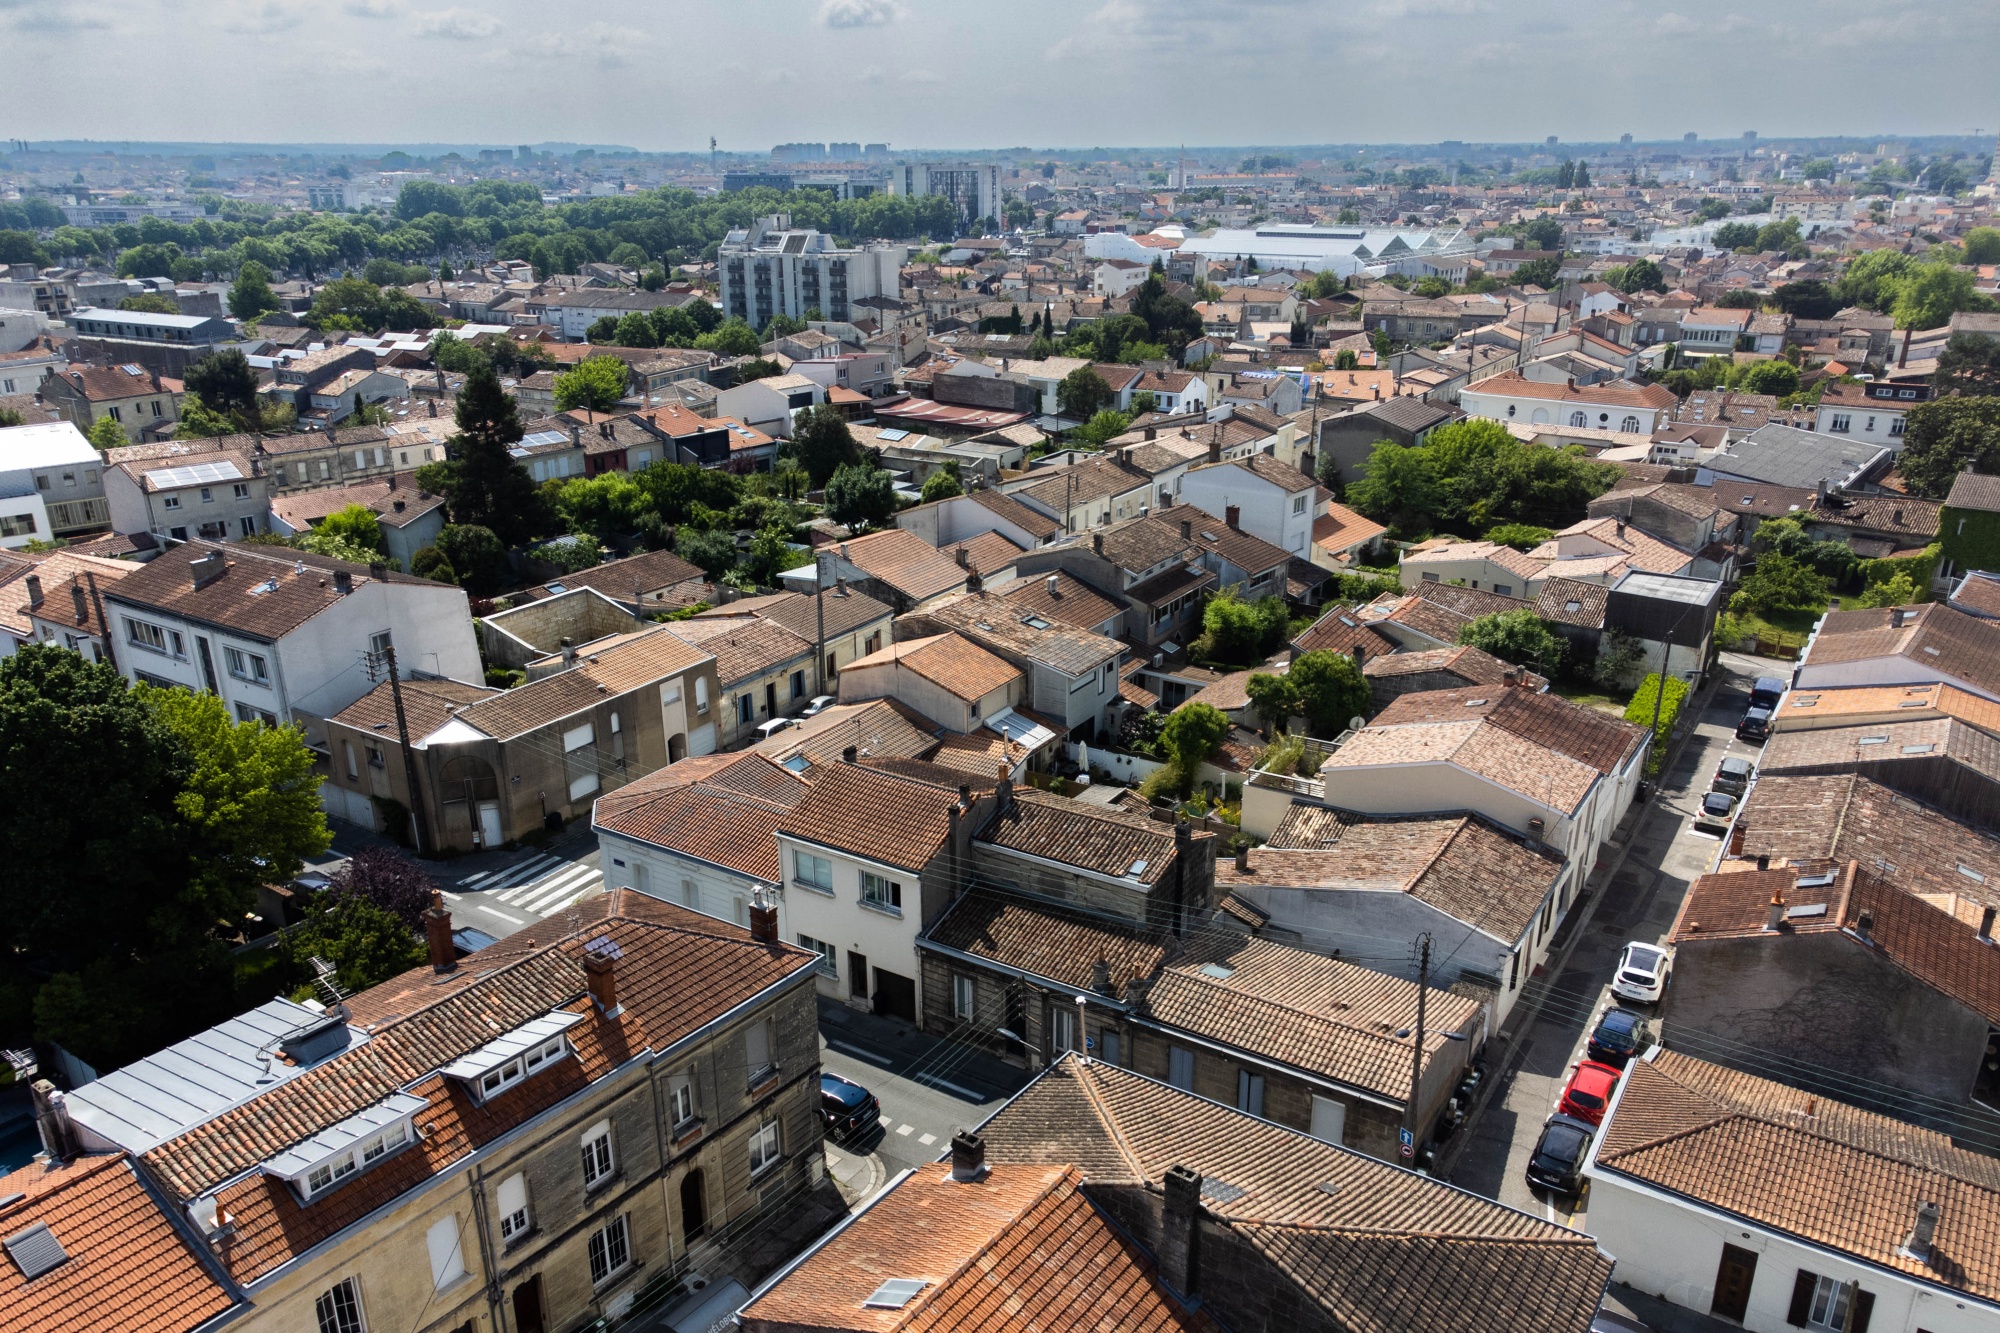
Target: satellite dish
x,y
1356,723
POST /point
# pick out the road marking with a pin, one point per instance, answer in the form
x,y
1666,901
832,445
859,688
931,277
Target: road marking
x,y
861,1054
885,1122
934,1081
927,1139
524,873
451,897
906,1130
553,892
532,891
504,916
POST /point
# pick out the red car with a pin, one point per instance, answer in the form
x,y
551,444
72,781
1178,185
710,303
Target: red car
x,y
1588,1091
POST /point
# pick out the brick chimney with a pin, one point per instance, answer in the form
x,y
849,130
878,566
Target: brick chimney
x,y
35,589
1215,448
1100,976
968,1156
1232,515
82,606
1180,1230
1986,925
964,558
437,934
1774,914
1187,529
600,974
763,918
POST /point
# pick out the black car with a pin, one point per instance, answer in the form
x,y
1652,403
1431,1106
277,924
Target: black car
x,y
1618,1036
846,1106
1755,726
1766,692
1557,1165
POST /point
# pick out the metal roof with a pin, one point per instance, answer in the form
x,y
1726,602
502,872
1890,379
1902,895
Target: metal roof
x,y
335,1139
152,1100
502,1049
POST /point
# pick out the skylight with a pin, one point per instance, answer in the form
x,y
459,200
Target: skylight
x,y
36,1251
1217,971
896,1293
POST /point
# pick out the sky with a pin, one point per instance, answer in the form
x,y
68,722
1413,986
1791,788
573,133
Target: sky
x,y
667,74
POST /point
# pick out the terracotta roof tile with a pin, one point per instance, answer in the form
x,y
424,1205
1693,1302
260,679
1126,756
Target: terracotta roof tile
x,y
879,816
950,661
744,647
1933,637
1073,602
724,809
653,654
427,705
1060,943
288,597
1087,836
984,554
1005,506
905,562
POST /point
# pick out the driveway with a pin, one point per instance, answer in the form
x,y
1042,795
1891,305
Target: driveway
x,y
1663,857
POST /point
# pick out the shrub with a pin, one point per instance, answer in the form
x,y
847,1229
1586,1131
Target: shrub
x,y
1640,710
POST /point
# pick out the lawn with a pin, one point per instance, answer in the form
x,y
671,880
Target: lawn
x,y
1786,628
1591,695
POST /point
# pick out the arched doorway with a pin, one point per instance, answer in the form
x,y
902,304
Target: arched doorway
x,y
677,747
469,803
694,1206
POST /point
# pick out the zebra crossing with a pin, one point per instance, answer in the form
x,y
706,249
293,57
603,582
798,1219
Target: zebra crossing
x,y
543,885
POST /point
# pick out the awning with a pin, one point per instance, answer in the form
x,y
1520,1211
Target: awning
x,y
1011,726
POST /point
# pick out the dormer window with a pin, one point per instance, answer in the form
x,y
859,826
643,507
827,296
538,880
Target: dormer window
x,y
527,1050
353,1145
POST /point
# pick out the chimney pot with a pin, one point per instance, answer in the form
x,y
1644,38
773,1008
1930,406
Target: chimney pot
x,y
1917,1243
964,558
1100,976
343,582
569,651
1764,862
1052,585
1243,859
1187,529
1097,543
378,570
968,1156
763,918
849,754
400,506
600,974
1232,515
1775,913
1180,1230
437,934
1864,926
34,590
82,606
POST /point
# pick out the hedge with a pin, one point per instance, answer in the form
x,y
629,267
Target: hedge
x,y
1640,710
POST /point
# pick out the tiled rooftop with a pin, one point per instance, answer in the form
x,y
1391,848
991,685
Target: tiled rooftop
x,y
951,662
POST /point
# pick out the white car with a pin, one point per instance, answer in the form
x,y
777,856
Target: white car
x,y
819,705
1642,973
766,730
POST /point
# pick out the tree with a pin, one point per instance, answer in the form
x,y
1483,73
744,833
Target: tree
x,y
1520,637
1711,209
942,484
714,553
1542,234
1780,583
860,495
251,294
21,247
357,304
1273,698
427,562
607,506
577,550
1397,487
1236,632
677,490
1083,394
1347,359
1969,365
366,944
490,488
1807,299
1331,690
1899,589
1982,245
1537,273
1944,436
596,384
1520,536
357,525
250,796
107,434
1641,275
151,303
1930,294
226,383
1106,425
1862,282
1777,378
476,556
732,337
820,443
336,547
1193,735
635,330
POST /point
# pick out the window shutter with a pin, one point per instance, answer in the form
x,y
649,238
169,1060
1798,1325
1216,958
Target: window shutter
x,y
1802,1295
1864,1310
513,1195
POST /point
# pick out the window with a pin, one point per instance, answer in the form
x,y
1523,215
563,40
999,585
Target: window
x,y
1062,1029
763,1146
247,525
1107,1044
680,1098
1578,419
1298,504
245,713
746,708
883,893
1896,427
1249,1092
610,1251
598,1163
578,737
170,502
156,407
513,1208
873,643
117,414
827,954
1504,589
757,1051
339,1308
964,997
518,1068
582,787
242,490
207,495
701,694
447,1256
813,872
1180,1068
380,642
246,666
798,684
1629,425
353,768
143,635
1823,1302
1841,423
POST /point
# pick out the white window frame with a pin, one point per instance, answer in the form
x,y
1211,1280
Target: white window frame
x,y
247,666
881,893
330,1314
154,639
828,955
610,1251
577,737
765,1148
495,1081
515,1220
600,1157
760,1056
964,996
1832,1304
680,1099
812,872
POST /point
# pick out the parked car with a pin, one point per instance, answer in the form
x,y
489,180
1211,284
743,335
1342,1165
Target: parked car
x,y
1717,805
1766,692
1588,1091
766,730
819,704
847,1108
1557,1162
1618,1036
1643,970
1755,726
1733,775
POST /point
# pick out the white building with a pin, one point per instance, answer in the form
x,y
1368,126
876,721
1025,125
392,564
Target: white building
x,y
1620,405
769,404
771,269
973,187
51,484
283,635
1872,412
1415,252
1261,496
1775,1209
18,328
213,496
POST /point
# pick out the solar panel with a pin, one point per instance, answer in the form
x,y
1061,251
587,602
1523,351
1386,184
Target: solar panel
x,y
543,437
36,1251
1221,1191
894,1294
195,474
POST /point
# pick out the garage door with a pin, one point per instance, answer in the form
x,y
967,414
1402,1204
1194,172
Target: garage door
x,y
895,997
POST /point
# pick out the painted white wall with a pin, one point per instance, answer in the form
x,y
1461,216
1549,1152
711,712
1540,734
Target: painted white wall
x,y
843,920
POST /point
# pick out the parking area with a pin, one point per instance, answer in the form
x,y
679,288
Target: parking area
x,y
1669,845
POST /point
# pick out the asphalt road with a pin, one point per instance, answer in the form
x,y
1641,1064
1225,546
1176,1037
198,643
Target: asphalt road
x,y
500,892
1667,854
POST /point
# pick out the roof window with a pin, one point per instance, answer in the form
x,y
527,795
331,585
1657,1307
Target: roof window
x,y
344,1149
36,1251
503,1062
894,1294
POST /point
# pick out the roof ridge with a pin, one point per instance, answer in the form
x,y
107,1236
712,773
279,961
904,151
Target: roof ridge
x,y
1105,1115
1406,1233
1197,975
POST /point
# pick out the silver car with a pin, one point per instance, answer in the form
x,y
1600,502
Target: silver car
x,y
1642,973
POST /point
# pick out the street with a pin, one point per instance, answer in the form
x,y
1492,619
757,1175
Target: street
x,y
1638,902
499,892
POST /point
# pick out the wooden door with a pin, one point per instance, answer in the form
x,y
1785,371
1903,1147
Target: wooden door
x,y
528,1306
1732,1282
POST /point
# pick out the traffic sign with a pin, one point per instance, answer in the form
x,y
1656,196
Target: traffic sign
x,y
1408,1143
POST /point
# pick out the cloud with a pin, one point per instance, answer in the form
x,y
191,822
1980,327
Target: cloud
x,y
47,16
876,76
463,25
607,43
376,9
858,13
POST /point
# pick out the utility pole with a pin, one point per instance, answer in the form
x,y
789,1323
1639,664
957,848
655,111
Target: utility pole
x,y
409,756
819,619
1412,1111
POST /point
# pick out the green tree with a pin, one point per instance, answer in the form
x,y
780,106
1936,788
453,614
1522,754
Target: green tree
x,y
151,303
1106,425
570,553
1943,437
1968,365
1929,295
820,443
676,490
1331,690
336,547
366,944
607,506
21,247
1711,209
1898,589
1520,637
477,557
1082,394
454,355
226,383
1520,536
732,337
1273,698
1642,275
1237,633
1777,378
1807,299
1193,735
489,487
1862,283
860,495
942,485
1542,234
356,303
107,434
713,553
1347,359
428,562
1780,583
1399,487
596,384
770,553
250,796
1537,273
356,525
1982,245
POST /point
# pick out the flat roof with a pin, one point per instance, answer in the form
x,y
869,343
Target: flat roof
x,y
146,317
1669,587
44,444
